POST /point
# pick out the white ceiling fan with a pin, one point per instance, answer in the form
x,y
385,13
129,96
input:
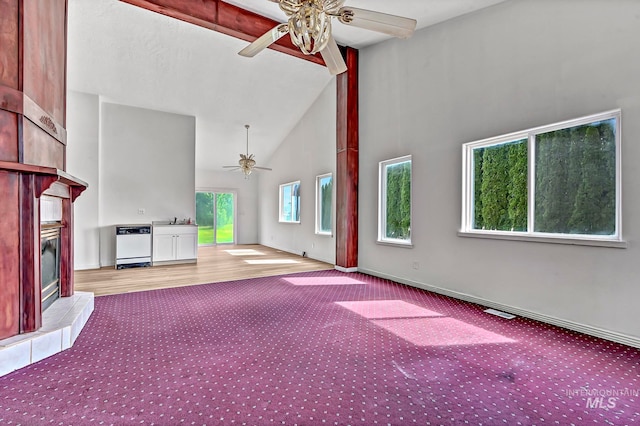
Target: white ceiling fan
x,y
246,163
309,24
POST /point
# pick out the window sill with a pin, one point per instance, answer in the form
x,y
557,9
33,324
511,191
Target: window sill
x,y
546,239
394,243
289,222
324,234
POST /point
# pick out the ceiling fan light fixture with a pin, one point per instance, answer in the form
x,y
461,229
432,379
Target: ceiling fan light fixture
x,y
246,163
310,27
246,170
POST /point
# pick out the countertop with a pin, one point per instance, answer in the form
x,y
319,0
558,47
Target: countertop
x,y
168,223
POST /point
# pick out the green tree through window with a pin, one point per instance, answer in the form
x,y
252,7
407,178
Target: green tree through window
x,y
574,180
218,206
204,208
395,220
324,188
501,187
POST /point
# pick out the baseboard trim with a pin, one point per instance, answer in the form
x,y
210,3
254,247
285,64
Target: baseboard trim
x,y
331,262
346,270
87,267
173,262
570,325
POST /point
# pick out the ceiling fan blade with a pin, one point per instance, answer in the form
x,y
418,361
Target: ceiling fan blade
x,y
261,168
230,167
333,58
264,41
393,25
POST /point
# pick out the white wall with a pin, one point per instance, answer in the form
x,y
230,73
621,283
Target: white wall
x,y
516,65
82,161
133,159
246,191
147,161
308,151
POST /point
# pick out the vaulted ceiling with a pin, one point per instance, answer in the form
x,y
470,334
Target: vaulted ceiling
x,y
132,56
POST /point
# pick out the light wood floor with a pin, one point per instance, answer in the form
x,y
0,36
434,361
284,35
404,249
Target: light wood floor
x,y
215,264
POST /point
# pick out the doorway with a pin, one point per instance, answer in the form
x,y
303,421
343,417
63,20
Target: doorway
x,y
216,217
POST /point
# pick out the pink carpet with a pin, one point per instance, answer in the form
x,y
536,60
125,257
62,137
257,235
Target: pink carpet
x,y
291,350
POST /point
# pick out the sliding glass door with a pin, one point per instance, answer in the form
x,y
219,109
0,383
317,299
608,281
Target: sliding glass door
x,y
215,216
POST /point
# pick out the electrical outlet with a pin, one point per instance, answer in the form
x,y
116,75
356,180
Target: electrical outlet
x,y
415,265
140,211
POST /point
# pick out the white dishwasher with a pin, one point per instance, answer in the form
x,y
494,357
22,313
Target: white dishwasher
x,y
133,246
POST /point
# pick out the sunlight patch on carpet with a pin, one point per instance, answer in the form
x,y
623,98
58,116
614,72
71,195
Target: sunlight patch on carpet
x,y
381,309
322,281
440,332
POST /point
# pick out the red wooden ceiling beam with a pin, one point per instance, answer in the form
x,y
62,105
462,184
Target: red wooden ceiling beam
x,y
224,18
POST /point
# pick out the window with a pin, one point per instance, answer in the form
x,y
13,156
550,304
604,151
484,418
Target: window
x,y
324,193
290,202
215,216
556,182
394,217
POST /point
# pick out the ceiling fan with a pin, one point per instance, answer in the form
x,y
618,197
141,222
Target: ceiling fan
x,y
309,24
246,163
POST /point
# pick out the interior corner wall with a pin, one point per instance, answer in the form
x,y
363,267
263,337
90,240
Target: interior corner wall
x,y
308,151
146,161
510,67
82,160
246,191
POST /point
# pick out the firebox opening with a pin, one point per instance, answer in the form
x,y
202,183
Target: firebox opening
x,y
50,263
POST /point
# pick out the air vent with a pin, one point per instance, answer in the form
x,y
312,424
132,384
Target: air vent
x,y
499,313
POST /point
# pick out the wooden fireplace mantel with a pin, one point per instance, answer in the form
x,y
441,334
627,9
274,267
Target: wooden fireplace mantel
x,y
47,176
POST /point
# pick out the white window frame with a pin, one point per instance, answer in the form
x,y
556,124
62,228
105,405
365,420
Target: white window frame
x,y
466,229
280,203
382,203
319,179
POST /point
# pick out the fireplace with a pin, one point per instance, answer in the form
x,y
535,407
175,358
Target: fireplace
x,y
50,263
33,143
36,243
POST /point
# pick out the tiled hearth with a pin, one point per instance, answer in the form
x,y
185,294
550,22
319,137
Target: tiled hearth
x,y
61,326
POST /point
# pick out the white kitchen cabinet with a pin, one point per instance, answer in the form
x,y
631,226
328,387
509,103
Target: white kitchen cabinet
x,y
163,247
175,244
187,245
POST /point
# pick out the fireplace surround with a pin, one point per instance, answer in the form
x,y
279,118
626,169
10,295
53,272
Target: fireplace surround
x,y
21,188
33,142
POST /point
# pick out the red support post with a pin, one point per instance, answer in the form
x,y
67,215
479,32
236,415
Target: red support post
x,y
347,164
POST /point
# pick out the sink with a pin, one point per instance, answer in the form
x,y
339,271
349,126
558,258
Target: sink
x,y
172,223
